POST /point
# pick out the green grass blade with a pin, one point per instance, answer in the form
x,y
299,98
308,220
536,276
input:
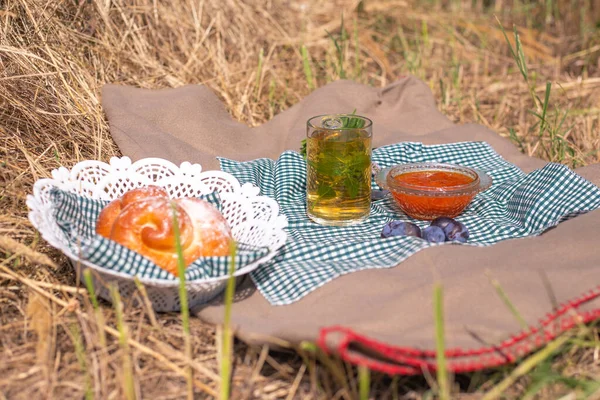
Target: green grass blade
x,y
592,390
512,51
562,121
440,343
394,387
544,376
443,92
521,56
364,383
334,41
526,366
545,108
183,301
308,73
425,33
535,114
272,86
403,41
340,44
338,51
515,138
548,14
307,351
310,347
87,277
541,377
339,374
227,342
509,304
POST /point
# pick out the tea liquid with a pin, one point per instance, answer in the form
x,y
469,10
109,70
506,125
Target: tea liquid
x,y
339,176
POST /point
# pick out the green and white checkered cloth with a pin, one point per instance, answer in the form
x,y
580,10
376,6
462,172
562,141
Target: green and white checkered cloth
x,y
517,205
76,217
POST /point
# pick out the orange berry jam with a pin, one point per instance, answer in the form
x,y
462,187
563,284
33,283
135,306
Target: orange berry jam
x,y
432,193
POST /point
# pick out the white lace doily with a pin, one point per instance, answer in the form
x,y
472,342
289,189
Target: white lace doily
x,y
254,219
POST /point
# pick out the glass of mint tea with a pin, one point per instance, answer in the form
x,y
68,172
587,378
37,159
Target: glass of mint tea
x,y
338,181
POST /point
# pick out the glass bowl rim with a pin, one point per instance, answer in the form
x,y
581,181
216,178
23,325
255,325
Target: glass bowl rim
x,y
464,189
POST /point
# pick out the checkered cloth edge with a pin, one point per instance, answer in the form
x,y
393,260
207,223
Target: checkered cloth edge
x,y
76,216
517,205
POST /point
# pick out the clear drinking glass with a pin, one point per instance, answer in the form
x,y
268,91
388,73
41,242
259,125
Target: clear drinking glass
x,y
338,181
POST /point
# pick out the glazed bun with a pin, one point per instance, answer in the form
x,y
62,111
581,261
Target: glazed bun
x,y
111,211
146,226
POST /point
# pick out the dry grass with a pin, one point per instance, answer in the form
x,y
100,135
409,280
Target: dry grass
x,y
54,57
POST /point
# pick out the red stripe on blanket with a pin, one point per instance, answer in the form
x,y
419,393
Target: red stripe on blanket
x,y
413,361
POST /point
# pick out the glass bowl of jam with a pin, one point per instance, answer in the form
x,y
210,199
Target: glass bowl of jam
x,y
429,190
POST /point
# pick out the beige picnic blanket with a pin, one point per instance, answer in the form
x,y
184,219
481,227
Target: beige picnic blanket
x,y
383,317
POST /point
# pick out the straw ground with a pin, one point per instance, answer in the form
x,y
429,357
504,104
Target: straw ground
x,y
260,57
